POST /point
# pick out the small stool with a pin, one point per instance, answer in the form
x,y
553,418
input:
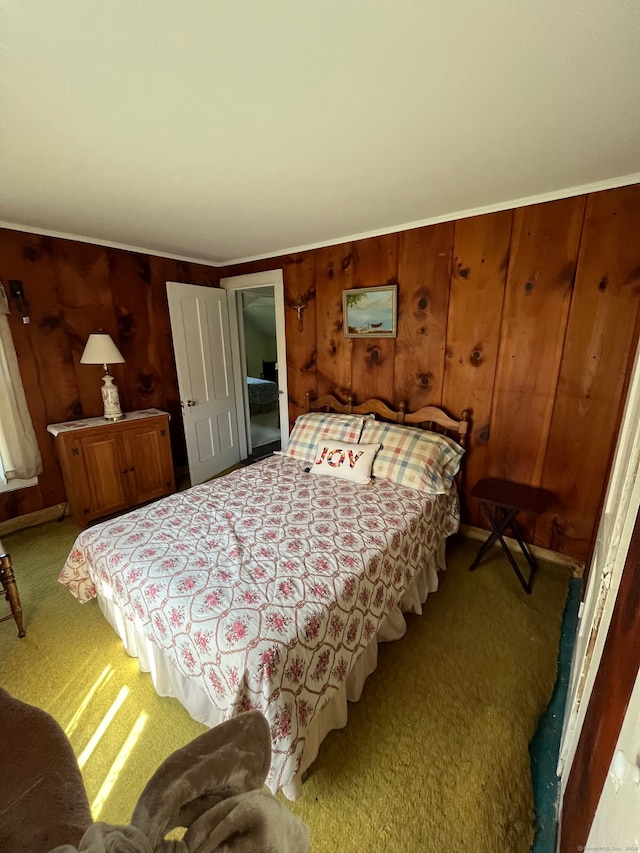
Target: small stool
x,y
501,501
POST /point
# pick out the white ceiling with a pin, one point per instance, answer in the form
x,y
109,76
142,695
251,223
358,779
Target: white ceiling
x,y
221,130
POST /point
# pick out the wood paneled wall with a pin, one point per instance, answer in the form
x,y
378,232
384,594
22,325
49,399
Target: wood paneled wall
x,y
528,317
71,290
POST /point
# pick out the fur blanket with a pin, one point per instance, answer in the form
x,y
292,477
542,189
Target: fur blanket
x,y
213,787
43,802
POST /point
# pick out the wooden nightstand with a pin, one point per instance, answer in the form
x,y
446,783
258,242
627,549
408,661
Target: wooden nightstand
x,y
109,467
501,501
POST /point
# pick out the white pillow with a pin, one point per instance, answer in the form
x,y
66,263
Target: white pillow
x,y
348,461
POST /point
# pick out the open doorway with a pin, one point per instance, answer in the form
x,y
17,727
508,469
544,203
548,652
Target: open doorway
x,y
257,312
258,344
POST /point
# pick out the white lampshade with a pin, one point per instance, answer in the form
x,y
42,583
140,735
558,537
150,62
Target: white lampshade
x,y
100,349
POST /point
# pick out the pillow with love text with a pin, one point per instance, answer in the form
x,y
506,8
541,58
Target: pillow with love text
x,y
348,461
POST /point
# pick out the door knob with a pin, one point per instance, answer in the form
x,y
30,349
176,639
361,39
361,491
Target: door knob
x,y
191,402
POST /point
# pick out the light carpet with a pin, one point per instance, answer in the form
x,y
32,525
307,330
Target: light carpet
x,y
434,756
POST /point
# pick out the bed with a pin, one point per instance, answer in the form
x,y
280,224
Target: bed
x,y
270,588
262,392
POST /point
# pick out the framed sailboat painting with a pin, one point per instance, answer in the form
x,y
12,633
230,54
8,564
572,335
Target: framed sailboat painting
x,y
370,312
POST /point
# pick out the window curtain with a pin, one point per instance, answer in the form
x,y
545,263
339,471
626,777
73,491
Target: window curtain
x,y
19,452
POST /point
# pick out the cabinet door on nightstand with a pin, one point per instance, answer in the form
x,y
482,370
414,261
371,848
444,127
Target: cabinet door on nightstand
x,y
105,466
147,452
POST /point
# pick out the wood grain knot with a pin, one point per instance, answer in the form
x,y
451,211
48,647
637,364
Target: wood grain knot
x,y
51,321
422,303
143,269
603,284
483,434
310,363
425,379
126,324
31,253
346,262
568,274
147,382
464,272
528,287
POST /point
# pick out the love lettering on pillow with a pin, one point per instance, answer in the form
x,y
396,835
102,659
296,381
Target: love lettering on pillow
x,y
348,461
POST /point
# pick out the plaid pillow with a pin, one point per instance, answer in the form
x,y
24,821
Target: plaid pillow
x,y
413,457
314,427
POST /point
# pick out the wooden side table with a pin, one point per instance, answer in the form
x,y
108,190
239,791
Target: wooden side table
x,y
501,501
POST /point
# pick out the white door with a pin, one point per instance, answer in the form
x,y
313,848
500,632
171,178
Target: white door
x,y
616,525
201,342
616,824
252,281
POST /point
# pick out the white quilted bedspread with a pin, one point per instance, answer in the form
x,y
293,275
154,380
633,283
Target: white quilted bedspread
x,y
264,585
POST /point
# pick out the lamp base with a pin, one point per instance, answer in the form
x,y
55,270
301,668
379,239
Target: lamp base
x,y
111,399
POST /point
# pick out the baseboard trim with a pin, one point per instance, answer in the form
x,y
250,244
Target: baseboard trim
x,y
31,519
577,566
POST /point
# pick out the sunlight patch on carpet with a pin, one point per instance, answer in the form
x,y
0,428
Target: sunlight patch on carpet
x,y
102,679
116,768
96,737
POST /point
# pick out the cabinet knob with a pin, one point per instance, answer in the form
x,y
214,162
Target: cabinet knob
x,y
191,403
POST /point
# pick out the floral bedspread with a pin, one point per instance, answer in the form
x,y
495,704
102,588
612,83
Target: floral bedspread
x,y
264,585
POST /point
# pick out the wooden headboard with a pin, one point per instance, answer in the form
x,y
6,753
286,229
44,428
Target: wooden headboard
x,y
429,416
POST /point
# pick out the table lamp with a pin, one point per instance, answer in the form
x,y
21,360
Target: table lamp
x,y
100,349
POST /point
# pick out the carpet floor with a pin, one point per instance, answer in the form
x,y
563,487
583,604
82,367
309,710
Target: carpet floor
x,y
435,755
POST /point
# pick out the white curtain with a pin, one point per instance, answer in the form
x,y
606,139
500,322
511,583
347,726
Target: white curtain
x,y
19,452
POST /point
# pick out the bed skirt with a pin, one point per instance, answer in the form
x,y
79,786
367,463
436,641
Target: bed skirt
x,y
169,682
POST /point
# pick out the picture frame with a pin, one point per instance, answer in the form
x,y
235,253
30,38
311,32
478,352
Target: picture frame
x,y
370,312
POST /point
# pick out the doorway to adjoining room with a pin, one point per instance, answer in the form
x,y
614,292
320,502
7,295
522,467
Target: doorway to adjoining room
x,y
258,316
